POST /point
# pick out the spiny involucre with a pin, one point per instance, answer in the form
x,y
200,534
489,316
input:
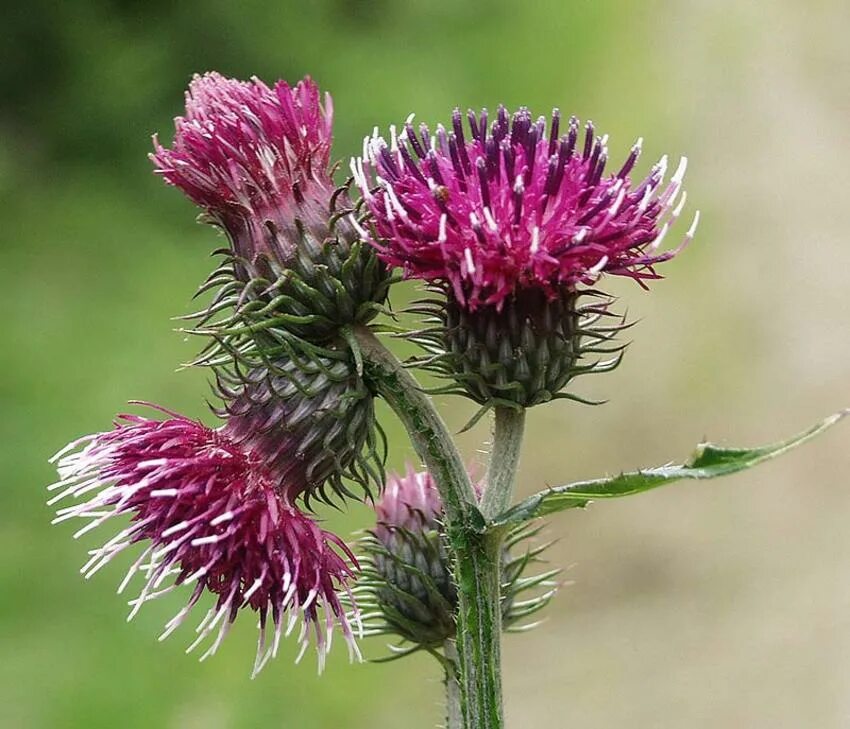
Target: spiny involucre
x,y
407,583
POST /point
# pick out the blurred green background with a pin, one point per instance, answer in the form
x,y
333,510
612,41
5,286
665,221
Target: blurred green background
x,y
720,605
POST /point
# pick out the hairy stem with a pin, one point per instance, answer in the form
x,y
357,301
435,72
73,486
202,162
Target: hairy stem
x,y
479,629
508,428
454,705
476,555
426,428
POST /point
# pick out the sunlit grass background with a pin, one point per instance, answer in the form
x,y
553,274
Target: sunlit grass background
x,y
702,606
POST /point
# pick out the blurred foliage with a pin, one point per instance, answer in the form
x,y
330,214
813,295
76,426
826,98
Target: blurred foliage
x,y
97,255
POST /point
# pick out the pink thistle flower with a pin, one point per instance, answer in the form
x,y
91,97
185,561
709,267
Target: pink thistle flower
x,y
514,207
408,586
250,154
212,516
409,583
410,501
256,159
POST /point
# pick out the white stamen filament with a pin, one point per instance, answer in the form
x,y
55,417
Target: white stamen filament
x,y
164,492
176,528
211,539
152,463
491,221
195,575
678,211
599,266
679,175
614,209
174,623
660,237
442,234
395,201
251,590
693,229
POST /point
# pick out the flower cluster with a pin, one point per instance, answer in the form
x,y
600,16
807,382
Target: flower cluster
x,y
511,224
223,509
513,206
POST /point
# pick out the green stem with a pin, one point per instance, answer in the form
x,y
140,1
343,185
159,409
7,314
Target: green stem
x,y
479,629
476,556
426,428
508,428
454,704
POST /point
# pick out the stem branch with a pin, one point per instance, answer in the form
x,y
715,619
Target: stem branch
x,y
476,556
508,428
426,428
454,704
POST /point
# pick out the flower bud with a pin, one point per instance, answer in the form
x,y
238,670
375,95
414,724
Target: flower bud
x,y
417,592
408,577
524,353
310,417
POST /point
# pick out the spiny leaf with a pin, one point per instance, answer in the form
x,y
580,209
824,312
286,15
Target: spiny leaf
x,y
707,461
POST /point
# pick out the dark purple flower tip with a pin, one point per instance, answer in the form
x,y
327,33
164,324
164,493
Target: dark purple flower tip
x,y
212,518
513,207
248,153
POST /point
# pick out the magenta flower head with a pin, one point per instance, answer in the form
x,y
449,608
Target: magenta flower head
x,y
252,157
256,159
408,577
211,516
219,508
512,222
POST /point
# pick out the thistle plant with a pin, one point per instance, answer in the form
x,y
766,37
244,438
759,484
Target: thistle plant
x,y
512,225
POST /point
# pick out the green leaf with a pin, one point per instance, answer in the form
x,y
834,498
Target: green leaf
x,y
708,461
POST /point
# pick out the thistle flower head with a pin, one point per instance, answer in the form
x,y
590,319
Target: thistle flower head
x,y
250,154
256,159
408,576
511,206
408,573
211,517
